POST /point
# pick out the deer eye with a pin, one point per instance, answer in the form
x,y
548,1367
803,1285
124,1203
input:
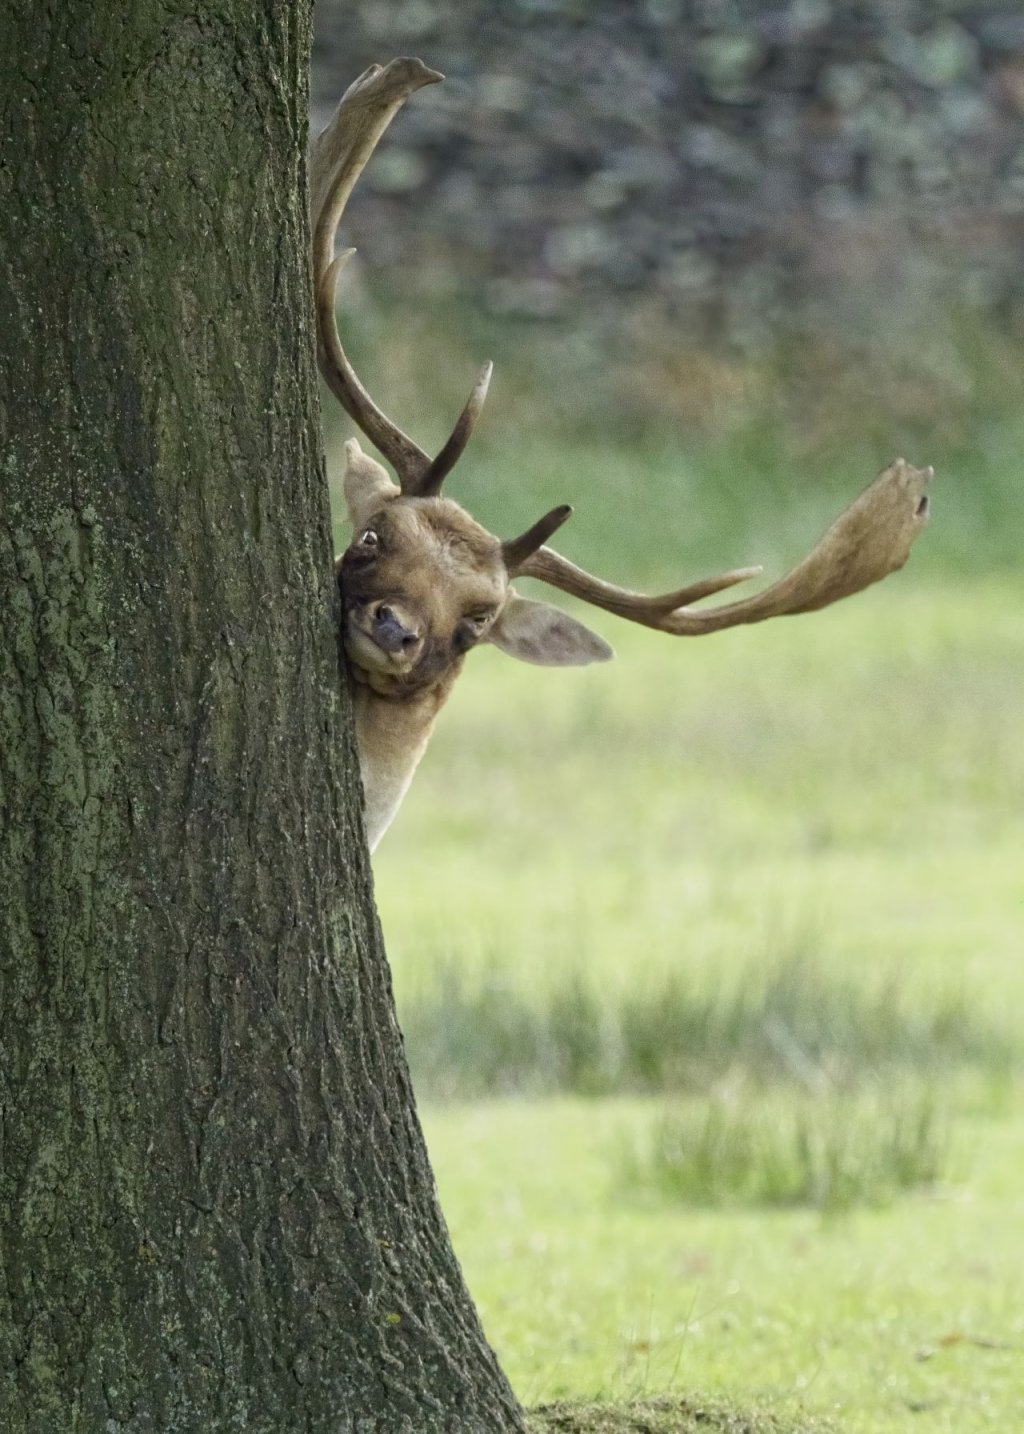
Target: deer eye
x,y
471,628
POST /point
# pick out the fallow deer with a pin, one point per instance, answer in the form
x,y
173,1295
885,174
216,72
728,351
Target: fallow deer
x,y
422,582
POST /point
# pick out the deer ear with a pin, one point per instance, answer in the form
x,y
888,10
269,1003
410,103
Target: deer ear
x,y
535,632
367,485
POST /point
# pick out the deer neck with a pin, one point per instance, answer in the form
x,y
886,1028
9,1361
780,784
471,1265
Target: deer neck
x,y
393,728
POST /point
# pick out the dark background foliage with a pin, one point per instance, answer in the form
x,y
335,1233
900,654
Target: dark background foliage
x,y
750,166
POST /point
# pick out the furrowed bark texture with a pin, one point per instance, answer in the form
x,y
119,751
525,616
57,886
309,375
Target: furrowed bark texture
x,y
216,1212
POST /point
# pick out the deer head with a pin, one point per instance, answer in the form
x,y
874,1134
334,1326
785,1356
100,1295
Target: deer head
x,y
422,582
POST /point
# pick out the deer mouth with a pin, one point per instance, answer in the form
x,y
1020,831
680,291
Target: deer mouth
x,y
364,651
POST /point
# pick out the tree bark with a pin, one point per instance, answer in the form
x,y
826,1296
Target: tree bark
x,y
216,1210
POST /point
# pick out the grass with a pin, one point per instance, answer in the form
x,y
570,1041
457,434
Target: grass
x,y
871,1318
735,926
665,1416
766,1021
685,460
831,1149
820,821
842,788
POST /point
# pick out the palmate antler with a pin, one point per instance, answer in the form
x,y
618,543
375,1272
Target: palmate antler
x,y
338,157
870,540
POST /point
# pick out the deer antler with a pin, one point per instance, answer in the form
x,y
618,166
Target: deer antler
x,y
338,157
870,540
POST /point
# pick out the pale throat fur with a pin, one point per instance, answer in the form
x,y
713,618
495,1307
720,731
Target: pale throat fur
x,y
430,561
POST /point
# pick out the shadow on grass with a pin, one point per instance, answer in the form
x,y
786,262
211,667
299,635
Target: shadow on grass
x,y
668,1415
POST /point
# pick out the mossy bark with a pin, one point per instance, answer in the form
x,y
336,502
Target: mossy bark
x,y
216,1211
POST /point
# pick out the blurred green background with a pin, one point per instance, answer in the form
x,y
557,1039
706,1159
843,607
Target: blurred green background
x,y
710,961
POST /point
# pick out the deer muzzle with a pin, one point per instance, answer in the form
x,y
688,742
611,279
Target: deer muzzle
x,y
394,631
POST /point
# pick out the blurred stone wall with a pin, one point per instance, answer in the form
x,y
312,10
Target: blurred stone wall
x,y
750,166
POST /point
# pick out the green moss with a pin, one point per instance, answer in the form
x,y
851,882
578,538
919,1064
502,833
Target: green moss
x,y
667,1416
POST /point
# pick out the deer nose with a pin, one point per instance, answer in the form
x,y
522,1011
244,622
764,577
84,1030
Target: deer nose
x,y
391,633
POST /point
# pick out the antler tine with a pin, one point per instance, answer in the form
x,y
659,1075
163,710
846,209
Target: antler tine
x,y
515,551
547,566
452,451
870,540
338,157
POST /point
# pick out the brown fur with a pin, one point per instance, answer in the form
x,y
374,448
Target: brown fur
x,y
435,576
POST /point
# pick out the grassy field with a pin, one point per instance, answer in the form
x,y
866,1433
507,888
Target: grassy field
x,y
709,961
908,1317
843,787
834,799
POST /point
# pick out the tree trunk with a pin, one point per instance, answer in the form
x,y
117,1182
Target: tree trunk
x,y
216,1211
